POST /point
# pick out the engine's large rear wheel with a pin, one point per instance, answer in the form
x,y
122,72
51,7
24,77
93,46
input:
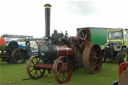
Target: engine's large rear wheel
x,y
92,58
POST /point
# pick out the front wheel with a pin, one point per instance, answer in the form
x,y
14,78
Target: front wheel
x,y
122,56
33,72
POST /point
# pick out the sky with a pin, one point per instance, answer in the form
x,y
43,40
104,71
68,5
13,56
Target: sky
x,y
26,17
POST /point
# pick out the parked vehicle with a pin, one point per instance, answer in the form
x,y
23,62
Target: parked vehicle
x,y
123,74
117,45
11,53
17,48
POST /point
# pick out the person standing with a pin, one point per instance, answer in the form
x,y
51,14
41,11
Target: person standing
x,y
28,48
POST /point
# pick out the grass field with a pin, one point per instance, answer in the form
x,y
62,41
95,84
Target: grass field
x,y
13,74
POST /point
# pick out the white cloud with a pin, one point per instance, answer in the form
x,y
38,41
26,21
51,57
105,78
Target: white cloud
x,y
27,16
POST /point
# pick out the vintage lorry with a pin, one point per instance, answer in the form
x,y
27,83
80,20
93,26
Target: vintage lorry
x,y
113,42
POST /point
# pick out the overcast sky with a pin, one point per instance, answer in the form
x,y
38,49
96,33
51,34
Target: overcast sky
x,y
27,16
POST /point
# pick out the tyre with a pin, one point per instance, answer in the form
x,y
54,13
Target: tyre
x,y
105,55
109,54
11,46
122,56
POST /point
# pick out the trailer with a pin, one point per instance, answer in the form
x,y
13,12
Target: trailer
x,y
97,35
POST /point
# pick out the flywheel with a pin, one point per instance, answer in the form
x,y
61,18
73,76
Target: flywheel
x,y
92,58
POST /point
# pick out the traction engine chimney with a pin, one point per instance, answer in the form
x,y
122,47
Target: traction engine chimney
x,y
47,20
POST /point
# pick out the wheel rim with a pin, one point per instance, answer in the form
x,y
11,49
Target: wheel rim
x,y
62,69
92,58
19,55
82,38
33,72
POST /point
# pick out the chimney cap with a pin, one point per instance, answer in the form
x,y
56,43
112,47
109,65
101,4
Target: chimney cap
x,y
47,5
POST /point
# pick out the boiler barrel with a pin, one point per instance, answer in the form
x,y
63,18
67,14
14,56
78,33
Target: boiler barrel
x,y
65,50
52,51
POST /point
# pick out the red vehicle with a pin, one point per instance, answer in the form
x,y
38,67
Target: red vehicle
x,y
2,41
123,74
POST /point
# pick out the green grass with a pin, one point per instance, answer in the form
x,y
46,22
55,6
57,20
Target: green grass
x,y
13,74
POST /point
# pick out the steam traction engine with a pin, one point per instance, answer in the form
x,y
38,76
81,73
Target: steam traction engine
x,y
62,54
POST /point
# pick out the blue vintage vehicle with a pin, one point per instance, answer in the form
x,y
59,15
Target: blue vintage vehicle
x,y
17,51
